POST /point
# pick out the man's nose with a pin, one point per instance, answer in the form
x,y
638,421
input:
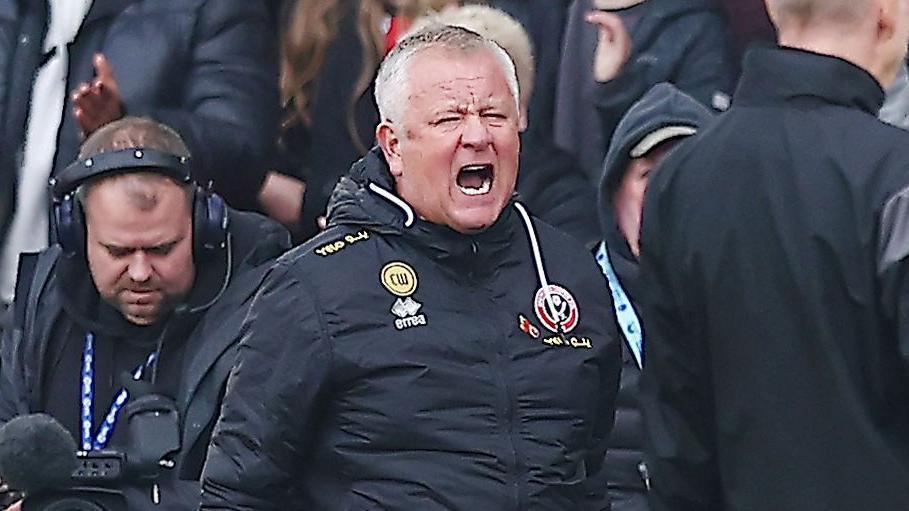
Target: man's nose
x,y
476,133
140,270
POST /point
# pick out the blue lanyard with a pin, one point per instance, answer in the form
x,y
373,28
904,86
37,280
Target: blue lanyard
x,y
88,397
624,312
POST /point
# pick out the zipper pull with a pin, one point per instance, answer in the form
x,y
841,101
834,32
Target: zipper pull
x,y
645,474
155,494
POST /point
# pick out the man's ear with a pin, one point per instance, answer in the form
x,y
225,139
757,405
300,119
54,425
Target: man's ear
x,y
390,144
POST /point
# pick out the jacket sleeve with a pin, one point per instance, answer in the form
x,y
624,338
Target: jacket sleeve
x,y
610,372
706,66
893,266
274,395
229,110
615,97
678,435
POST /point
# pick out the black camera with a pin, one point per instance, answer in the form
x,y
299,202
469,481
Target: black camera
x,y
93,486
92,480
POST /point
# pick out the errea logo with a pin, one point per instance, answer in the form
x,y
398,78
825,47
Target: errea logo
x,y
400,279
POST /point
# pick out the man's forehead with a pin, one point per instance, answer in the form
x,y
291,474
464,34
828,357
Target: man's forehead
x,y
122,236
457,81
437,66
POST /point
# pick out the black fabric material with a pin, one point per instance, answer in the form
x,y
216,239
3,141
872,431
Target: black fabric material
x,y
331,407
664,105
554,188
776,367
42,354
207,68
683,42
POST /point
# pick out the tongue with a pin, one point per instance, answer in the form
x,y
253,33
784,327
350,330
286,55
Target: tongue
x,y
470,179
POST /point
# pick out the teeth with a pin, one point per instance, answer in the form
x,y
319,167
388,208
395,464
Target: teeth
x,y
483,189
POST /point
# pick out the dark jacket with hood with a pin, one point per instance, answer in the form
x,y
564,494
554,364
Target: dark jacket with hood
x,y
57,304
354,391
775,299
679,41
664,106
206,68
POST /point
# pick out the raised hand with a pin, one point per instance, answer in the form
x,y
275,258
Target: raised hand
x,y
613,45
97,103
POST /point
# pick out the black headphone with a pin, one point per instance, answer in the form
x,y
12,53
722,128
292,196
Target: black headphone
x,y
210,217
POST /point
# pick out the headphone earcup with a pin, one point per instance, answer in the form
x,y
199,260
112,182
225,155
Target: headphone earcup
x,y
69,226
209,224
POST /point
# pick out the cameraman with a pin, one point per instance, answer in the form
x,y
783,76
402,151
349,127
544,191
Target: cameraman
x,y
144,292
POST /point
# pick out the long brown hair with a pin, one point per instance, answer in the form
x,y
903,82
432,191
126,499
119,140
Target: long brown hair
x,y
312,26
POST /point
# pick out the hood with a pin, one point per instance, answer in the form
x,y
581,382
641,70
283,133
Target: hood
x,y
663,109
365,198
253,240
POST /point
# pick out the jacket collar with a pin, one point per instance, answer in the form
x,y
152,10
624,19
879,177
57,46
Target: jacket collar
x,y
356,203
475,256
781,74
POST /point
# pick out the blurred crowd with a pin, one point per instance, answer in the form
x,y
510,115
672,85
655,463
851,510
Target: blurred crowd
x,y
275,102
275,98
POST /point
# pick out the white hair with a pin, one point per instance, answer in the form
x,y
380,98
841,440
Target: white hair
x,y
495,25
392,80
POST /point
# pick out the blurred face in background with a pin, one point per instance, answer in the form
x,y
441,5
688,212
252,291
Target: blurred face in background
x,y
628,198
139,244
454,152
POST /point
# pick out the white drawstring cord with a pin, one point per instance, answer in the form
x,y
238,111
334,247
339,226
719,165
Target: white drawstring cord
x,y
390,197
537,255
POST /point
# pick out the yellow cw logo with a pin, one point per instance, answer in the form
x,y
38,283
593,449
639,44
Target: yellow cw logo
x,y
399,279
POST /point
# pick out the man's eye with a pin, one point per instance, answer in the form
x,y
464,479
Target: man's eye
x,y
160,250
446,120
118,251
494,115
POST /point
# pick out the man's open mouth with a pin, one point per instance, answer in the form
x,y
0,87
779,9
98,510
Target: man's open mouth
x,y
475,179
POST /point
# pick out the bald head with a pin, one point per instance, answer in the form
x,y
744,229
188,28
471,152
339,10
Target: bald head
x,y
872,34
802,13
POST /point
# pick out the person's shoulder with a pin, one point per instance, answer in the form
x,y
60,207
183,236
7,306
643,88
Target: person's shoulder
x,y
36,269
256,238
35,283
334,249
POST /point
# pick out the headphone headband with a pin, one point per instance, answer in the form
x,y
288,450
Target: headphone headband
x,y
210,214
120,162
